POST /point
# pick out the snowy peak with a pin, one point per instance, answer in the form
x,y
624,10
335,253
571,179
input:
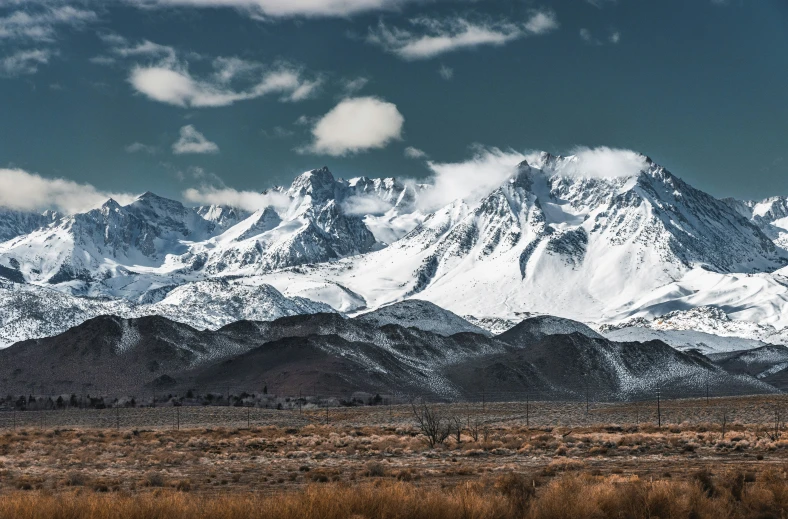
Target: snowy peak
x,y
319,184
18,223
414,313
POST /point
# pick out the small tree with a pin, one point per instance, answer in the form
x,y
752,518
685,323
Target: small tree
x,y
473,424
433,426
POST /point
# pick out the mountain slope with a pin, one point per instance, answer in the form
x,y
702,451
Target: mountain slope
x,y
610,370
534,329
422,315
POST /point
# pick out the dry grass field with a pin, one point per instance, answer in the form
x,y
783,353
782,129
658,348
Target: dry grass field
x,y
613,461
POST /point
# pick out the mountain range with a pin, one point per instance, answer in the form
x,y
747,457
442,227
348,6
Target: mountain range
x,y
638,257
330,355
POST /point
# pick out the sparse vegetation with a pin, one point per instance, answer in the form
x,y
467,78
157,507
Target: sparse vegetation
x,y
523,470
507,496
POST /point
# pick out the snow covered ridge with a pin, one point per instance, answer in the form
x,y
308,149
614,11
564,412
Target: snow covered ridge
x,y
31,312
705,328
557,236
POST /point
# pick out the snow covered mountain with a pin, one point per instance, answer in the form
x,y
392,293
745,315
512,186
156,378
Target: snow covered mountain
x,y
552,241
555,237
31,312
16,223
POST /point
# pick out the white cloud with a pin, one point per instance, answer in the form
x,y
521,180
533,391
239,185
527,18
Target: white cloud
x,y
436,37
446,72
615,37
541,22
285,8
414,153
24,62
352,86
25,191
604,162
356,124
192,141
145,48
470,180
138,147
41,25
173,84
247,200
365,204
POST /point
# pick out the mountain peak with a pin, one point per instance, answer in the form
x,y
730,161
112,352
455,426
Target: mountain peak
x,y
110,205
317,183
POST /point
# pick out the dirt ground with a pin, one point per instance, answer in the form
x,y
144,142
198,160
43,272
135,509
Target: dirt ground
x,y
217,450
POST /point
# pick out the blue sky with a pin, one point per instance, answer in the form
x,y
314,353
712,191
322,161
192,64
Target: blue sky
x,y
170,95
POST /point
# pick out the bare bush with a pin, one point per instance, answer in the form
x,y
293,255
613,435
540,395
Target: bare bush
x,y
432,424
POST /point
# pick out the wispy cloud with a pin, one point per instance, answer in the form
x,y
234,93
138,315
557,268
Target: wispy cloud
x,y
24,62
41,25
469,180
415,153
285,8
354,125
172,83
138,147
247,200
353,86
192,141
28,35
430,37
446,72
587,36
161,73
26,191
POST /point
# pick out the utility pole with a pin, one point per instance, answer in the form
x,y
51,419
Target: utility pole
x,y
659,411
117,418
527,410
707,391
248,417
178,418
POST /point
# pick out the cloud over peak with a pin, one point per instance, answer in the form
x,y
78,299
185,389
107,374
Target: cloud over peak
x,y
23,191
431,37
246,200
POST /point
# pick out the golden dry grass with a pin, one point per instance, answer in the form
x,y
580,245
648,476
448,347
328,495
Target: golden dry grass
x,y
733,495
